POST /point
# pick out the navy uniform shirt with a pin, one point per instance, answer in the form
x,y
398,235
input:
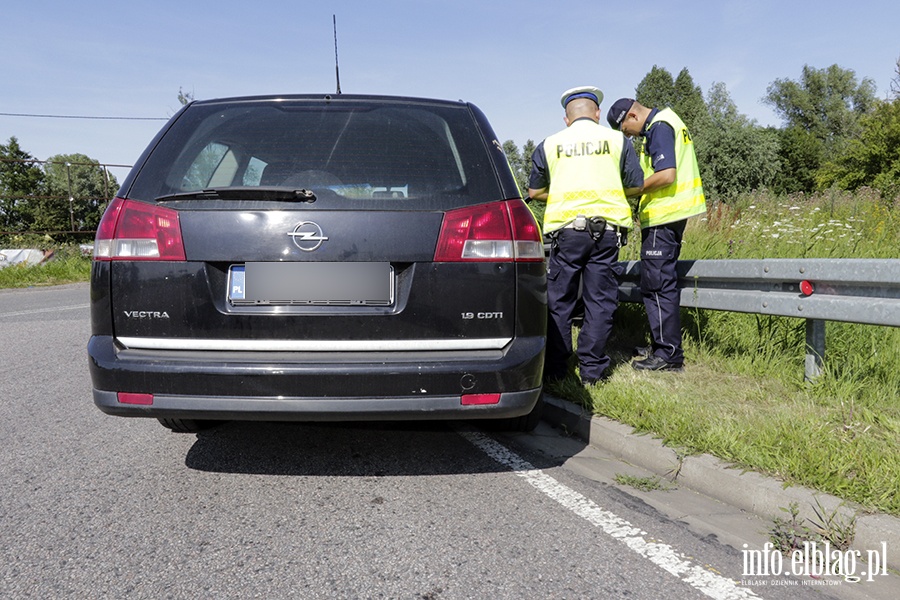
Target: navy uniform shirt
x,y
659,143
629,167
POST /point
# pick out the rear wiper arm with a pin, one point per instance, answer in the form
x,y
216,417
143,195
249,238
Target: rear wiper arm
x,y
288,194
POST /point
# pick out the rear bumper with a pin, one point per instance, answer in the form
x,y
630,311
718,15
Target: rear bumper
x,y
326,386
241,408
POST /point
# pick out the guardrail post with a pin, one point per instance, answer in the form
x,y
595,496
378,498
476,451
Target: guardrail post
x,y
815,348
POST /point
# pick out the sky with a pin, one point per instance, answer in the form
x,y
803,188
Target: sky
x,y
513,59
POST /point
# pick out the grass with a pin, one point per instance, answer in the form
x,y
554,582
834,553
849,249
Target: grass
x,y
644,484
789,534
742,396
67,265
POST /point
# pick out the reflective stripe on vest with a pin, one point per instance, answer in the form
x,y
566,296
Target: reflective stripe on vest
x,y
684,198
583,162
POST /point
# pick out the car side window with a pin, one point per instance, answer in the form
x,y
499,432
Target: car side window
x,y
253,174
210,167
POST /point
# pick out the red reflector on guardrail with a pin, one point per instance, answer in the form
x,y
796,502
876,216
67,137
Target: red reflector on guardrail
x,y
806,288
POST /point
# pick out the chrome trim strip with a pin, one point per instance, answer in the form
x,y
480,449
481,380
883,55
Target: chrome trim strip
x,y
313,345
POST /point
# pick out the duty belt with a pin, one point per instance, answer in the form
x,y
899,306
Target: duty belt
x,y
571,225
593,226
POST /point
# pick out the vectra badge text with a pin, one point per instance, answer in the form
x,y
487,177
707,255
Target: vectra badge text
x,y
308,236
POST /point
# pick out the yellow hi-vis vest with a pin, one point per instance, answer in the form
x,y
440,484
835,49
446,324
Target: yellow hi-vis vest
x,y
684,197
583,161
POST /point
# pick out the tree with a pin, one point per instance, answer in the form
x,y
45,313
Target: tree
x,y
78,188
516,164
738,155
826,103
822,112
519,162
21,180
872,159
800,156
657,88
688,102
895,82
185,98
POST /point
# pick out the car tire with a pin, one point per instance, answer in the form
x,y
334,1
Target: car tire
x,y
187,425
525,423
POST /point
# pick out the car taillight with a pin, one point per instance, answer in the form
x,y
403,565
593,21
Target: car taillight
x,y
497,232
132,230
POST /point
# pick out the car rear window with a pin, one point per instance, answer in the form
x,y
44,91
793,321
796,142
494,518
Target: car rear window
x,y
356,150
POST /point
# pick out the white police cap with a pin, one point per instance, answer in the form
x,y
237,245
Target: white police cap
x,y
585,91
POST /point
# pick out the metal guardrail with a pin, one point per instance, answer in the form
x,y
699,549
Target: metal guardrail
x,y
850,290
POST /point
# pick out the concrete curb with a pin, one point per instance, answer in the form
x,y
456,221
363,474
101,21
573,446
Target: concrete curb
x,y
746,490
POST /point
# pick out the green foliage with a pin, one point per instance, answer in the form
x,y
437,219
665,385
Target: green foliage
x,y
644,484
800,154
185,98
873,158
74,176
831,224
825,102
21,181
895,82
67,193
688,102
735,154
822,112
791,534
657,88
519,164
64,264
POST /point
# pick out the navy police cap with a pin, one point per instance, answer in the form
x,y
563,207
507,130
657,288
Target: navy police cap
x,y
585,91
617,112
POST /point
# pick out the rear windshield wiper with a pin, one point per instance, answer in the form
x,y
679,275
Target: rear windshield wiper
x,y
287,194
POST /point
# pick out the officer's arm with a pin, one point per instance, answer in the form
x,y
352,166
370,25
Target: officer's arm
x,y
539,195
661,148
658,180
632,174
538,181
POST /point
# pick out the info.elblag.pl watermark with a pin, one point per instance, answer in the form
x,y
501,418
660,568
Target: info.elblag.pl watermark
x,y
816,560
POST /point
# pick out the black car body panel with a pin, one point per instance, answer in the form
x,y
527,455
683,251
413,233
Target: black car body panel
x,y
300,266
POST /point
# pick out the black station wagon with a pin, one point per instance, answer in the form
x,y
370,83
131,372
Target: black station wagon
x,y
319,258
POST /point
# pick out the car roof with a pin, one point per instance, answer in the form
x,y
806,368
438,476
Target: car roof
x,y
331,98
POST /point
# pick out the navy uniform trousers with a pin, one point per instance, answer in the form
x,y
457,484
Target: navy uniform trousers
x,y
660,249
578,261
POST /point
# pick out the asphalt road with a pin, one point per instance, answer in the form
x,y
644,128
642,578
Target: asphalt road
x,y
94,506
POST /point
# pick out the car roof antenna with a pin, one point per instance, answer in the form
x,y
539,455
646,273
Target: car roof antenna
x,y
337,72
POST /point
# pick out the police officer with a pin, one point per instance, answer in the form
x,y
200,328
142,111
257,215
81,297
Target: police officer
x,y
672,193
584,173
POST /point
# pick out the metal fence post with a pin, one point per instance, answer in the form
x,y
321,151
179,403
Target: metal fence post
x,y
815,348
71,198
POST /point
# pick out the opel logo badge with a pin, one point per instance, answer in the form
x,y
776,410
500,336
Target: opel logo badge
x,y
308,236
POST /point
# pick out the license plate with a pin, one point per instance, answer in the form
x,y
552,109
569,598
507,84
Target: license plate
x,y
326,283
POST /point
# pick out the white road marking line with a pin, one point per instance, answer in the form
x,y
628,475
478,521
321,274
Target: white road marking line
x,y
37,311
662,555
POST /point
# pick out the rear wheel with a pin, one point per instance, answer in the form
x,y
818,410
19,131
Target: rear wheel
x,y
525,423
187,425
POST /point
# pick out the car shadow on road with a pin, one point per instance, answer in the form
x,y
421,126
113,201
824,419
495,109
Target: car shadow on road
x,y
372,449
